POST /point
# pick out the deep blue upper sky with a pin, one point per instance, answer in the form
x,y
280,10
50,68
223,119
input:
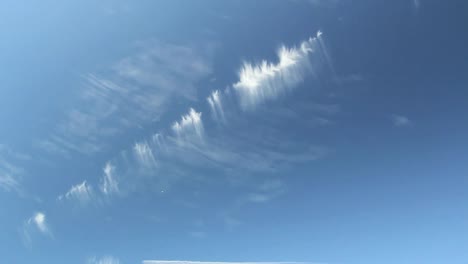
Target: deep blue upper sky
x,y
320,131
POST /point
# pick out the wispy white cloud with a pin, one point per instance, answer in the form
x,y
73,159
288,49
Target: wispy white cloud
x,y
159,141
10,172
231,146
39,219
103,260
6,150
262,82
189,125
82,193
36,223
167,66
245,150
400,120
216,106
109,183
416,4
136,91
252,155
324,52
8,182
144,154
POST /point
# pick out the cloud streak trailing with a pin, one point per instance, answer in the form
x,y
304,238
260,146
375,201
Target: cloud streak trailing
x,y
185,141
136,90
266,81
190,124
144,154
216,106
83,193
109,184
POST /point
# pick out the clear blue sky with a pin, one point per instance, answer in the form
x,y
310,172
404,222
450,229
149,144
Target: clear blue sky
x,y
320,131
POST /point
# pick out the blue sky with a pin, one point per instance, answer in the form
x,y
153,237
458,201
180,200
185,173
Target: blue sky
x,y
321,131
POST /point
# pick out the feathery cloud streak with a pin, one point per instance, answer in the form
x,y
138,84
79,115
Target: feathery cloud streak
x,y
189,125
7,182
187,147
265,81
10,171
82,193
135,92
144,154
109,184
216,106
